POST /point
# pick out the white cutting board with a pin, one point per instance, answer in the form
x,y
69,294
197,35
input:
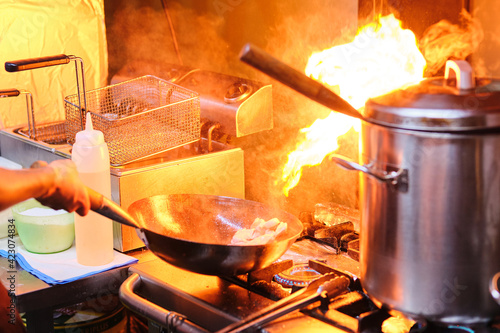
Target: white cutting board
x,y
6,214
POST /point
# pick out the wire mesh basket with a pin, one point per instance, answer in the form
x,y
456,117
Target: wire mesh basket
x,y
51,133
139,117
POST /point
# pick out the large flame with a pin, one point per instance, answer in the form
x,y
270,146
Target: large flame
x,y
383,57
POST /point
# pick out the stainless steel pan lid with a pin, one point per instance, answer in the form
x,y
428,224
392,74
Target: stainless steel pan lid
x,y
457,102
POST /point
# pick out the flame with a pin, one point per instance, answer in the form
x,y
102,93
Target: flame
x,y
383,57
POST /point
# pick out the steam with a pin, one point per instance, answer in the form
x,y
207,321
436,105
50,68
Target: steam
x,y
444,41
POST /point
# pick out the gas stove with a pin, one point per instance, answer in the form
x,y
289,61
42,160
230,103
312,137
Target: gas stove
x,y
190,302
176,300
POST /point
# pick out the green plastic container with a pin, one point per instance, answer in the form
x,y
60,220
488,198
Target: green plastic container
x,y
48,231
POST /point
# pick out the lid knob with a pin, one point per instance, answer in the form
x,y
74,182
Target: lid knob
x,y
463,71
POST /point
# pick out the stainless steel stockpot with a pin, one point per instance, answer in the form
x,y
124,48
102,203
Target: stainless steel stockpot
x,y
430,198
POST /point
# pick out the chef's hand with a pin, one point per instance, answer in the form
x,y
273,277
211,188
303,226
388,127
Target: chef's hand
x,y
67,191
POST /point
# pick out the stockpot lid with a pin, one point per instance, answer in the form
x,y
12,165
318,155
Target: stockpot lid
x,y
457,102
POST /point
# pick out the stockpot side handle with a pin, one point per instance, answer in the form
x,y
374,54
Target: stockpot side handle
x,y
398,177
494,291
33,63
174,321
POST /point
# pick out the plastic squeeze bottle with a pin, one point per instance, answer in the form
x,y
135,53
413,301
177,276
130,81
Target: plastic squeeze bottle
x,y
93,232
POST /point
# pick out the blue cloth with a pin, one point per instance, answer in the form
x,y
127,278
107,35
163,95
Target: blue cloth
x,y
57,268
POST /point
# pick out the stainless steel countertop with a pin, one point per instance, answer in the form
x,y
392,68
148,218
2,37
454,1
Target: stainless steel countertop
x,y
38,299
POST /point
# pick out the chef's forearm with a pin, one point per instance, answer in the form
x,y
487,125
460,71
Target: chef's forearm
x,y
20,185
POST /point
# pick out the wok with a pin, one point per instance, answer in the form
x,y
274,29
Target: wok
x,y
194,232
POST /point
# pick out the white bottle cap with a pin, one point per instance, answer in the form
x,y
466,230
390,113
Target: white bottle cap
x,y
89,137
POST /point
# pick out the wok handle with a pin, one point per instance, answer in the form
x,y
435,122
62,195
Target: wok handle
x,y
398,177
296,80
9,93
494,291
104,206
174,321
33,63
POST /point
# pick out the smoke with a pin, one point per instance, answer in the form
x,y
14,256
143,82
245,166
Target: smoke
x,y
445,41
293,39
210,36
139,32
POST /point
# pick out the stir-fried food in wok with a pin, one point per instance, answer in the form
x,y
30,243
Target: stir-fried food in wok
x,y
260,232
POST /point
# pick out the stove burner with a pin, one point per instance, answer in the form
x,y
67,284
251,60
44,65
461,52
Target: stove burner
x,y
460,329
299,275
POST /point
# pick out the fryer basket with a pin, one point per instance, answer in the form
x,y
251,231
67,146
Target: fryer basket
x,y
139,118
51,133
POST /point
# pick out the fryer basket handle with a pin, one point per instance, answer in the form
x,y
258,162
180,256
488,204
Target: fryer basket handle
x,y
12,92
60,59
33,63
9,93
174,321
